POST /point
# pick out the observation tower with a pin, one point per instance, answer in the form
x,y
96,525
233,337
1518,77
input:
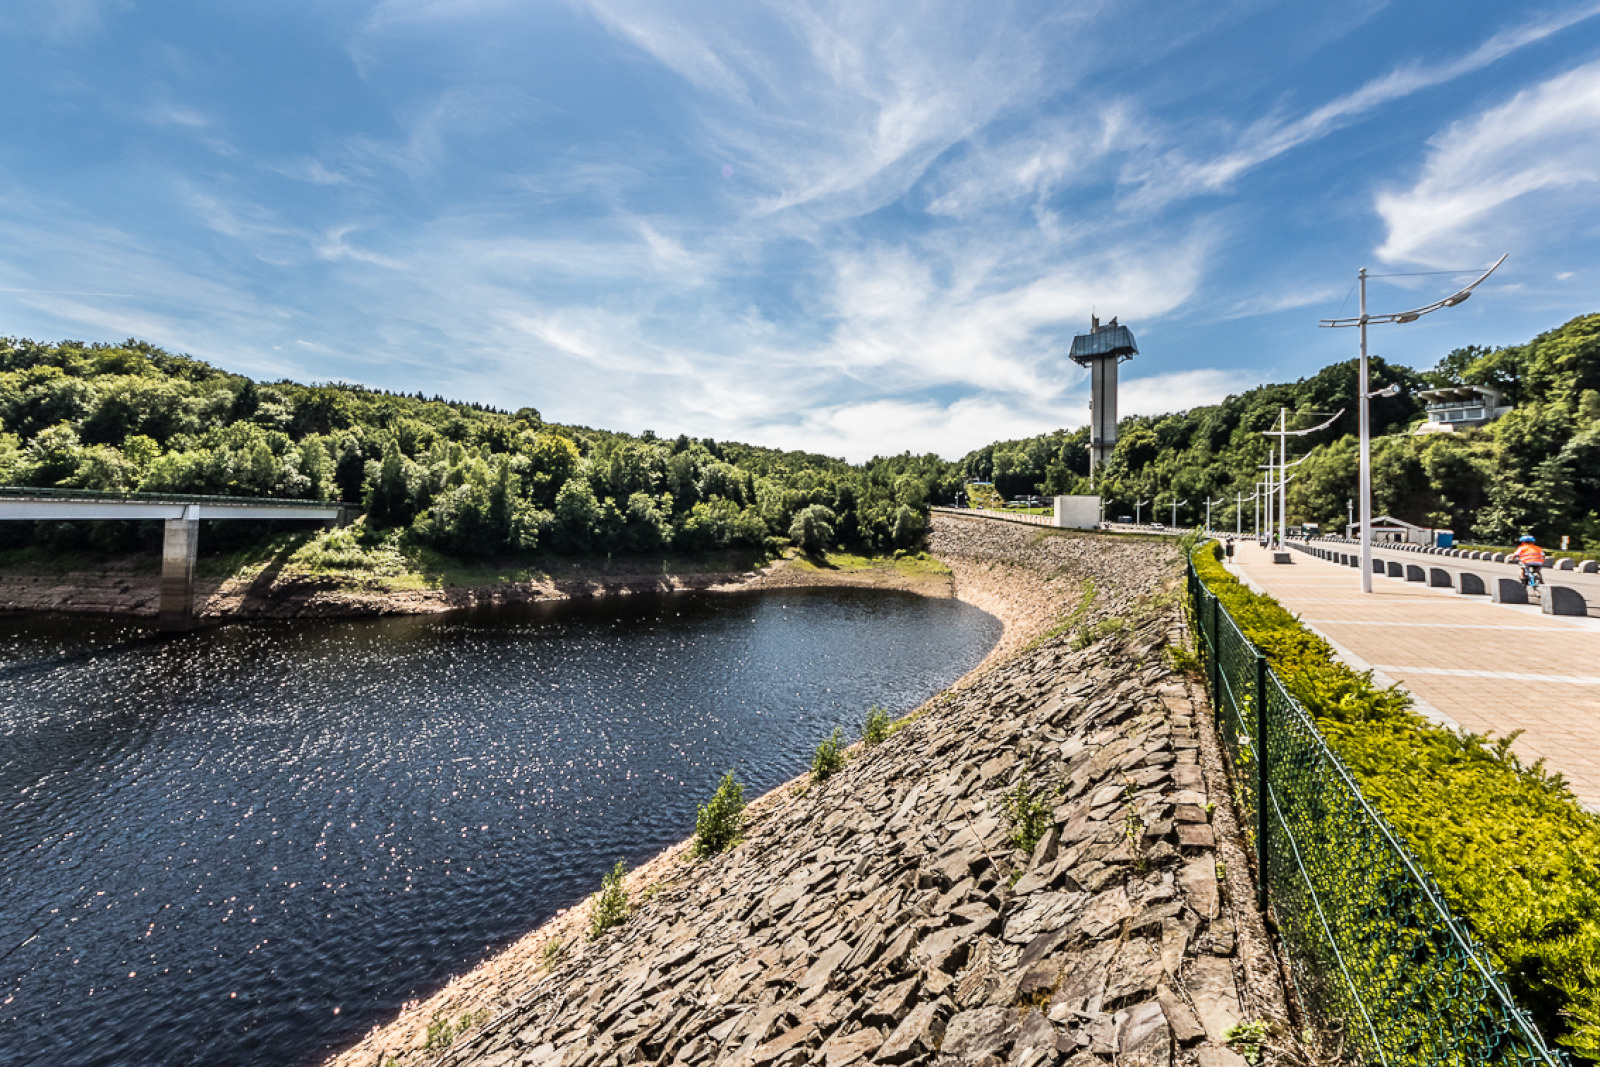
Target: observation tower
x,y
1101,349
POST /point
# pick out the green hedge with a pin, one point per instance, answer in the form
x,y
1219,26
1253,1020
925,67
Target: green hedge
x,y
1514,854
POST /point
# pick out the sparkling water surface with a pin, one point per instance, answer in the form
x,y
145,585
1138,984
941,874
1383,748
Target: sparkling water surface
x,y
249,844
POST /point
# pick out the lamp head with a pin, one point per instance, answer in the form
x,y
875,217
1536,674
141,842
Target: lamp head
x,y
1410,316
1460,297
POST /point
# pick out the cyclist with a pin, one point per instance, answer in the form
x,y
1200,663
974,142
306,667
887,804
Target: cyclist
x,y
1531,557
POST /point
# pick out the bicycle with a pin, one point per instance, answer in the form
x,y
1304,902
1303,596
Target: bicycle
x,y
1532,576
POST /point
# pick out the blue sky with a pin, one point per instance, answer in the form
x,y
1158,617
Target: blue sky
x,y
854,228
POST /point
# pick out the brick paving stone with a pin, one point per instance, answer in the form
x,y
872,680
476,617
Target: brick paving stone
x,y
1531,672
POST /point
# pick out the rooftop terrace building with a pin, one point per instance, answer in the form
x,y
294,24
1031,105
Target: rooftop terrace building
x,y
1456,406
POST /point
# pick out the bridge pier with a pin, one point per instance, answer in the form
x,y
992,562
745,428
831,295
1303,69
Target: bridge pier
x,y
178,546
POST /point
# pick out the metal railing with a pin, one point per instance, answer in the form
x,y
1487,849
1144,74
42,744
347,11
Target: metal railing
x,y
160,498
991,513
1369,936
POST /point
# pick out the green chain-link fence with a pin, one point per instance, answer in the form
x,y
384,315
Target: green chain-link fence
x,y
1369,937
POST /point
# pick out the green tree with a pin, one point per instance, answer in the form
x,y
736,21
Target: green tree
x,y
577,517
812,528
389,502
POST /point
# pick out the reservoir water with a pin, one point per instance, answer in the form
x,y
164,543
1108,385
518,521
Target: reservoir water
x,y
250,844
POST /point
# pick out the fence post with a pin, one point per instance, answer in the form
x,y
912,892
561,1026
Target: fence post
x,y
1263,821
1214,653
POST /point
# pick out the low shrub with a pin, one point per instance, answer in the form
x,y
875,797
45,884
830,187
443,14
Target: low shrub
x,y
1098,632
829,756
442,1033
1030,814
611,903
876,729
720,819
1507,843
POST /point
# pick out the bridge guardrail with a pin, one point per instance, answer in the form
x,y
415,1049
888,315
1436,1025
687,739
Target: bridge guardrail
x,y
162,498
1370,938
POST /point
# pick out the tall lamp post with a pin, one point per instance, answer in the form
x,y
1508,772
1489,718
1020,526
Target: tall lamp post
x,y
1137,504
1283,433
1363,395
1209,502
1175,503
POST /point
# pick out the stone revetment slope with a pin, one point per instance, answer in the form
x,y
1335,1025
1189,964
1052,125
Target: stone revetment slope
x,y
884,916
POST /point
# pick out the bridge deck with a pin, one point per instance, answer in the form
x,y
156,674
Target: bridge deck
x,y
57,505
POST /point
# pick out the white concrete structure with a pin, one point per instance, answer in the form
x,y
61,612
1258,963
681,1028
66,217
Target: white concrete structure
x,y
1077,512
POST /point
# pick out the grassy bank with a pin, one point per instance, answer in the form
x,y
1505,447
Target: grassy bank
x,y
914,565
356,559
1507,843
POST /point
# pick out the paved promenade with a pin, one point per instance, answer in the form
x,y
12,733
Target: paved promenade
x,y
1490,668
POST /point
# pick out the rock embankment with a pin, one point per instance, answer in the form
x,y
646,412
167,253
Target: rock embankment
x,y
886,916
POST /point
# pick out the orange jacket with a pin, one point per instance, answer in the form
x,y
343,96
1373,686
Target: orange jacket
x,y
1529,553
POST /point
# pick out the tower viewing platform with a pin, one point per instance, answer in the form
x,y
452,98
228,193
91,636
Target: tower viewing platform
x,y
1101,350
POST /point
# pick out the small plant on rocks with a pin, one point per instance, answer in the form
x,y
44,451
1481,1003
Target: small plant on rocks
x,y
554,949
1247,1039
442,1032
829,756
611,903
876,728
717,826
1133,826
1027,812
1098,632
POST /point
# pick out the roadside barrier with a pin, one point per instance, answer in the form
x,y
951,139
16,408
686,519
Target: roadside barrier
x,y
1369,937
987,513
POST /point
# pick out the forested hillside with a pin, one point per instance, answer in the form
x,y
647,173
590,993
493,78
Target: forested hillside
x,y
468,480
1535,469
460,478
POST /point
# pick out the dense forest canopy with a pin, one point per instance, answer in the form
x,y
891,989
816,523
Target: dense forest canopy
x,y
465,479
471,480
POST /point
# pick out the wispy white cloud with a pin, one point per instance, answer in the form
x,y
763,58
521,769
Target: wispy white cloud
x,y
1180,391
840,108
170,114
1270,137
1509,176
858,431
60,21
1282,300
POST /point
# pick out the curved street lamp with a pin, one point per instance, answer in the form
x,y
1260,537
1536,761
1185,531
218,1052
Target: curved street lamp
x,y
1364,395
1283,433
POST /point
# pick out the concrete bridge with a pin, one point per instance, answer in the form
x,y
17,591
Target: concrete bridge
x,y
181,515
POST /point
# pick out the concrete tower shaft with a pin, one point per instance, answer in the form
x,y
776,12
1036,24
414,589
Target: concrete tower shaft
x,y
1101,349
1102,412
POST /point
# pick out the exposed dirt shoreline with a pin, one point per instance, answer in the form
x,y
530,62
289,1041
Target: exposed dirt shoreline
x,y
131,587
